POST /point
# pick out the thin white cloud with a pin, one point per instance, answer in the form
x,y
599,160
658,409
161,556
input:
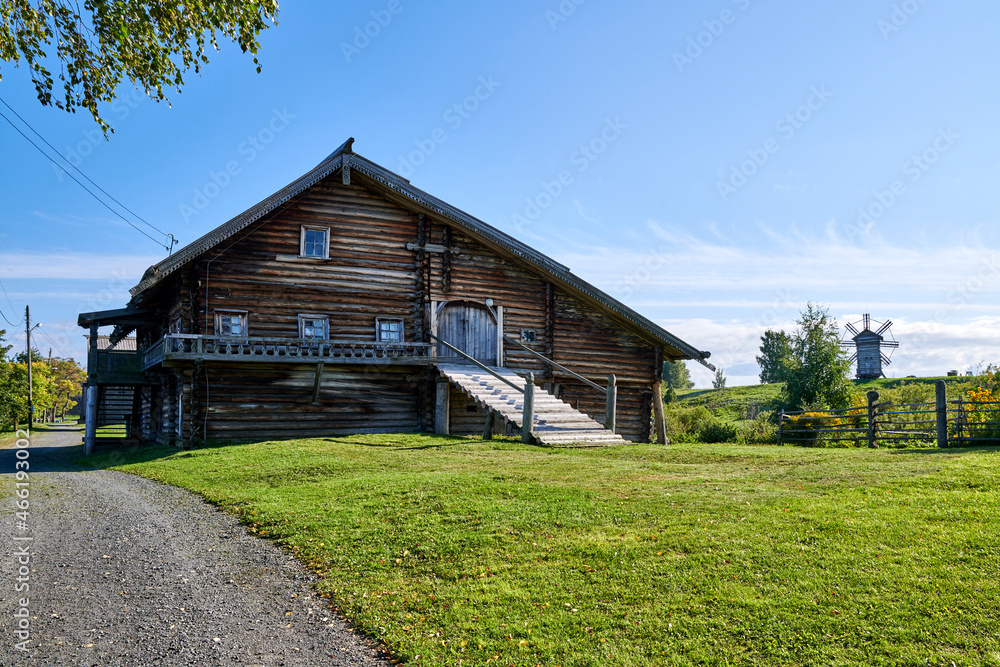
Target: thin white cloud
x,y
943,296
75,266
926,347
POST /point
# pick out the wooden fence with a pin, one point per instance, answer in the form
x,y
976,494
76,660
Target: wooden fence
x,y
942,423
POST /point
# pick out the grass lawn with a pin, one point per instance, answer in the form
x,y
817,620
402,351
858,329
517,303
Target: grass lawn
x,y
7,437
111,431
457,551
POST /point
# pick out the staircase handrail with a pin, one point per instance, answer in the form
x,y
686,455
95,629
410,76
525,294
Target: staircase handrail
x,y
477,363
610,392
554,364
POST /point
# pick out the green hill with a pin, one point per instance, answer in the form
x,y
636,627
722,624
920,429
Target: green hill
x,y
740,403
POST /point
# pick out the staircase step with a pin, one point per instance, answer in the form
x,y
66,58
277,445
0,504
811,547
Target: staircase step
x,y
555,422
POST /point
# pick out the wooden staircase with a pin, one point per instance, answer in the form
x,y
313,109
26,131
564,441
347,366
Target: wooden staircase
x,y
555,422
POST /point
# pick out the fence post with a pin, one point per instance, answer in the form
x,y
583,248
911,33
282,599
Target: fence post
x,y
941,399
612,403
529,408
961,422
781,426
872,400
658,417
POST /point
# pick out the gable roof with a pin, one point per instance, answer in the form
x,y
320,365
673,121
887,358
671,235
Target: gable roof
x,y
868,335
398,189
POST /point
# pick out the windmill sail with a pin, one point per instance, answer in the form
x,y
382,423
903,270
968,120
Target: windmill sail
x,y
869,344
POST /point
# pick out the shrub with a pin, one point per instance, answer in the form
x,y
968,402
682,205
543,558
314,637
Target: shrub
x,y
762,430
697,424
982,414
802,430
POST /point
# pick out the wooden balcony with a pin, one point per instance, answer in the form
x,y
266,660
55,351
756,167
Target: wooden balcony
x,y
177,349
116,367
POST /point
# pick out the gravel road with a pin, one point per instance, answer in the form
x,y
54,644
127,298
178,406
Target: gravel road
x,y
125,571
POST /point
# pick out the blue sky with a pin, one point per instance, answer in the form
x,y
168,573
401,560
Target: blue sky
x,y
714,165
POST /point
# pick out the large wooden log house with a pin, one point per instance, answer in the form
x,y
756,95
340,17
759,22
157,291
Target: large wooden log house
x,y
319,312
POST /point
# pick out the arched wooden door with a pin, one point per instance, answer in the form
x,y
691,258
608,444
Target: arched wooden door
x,y
471,328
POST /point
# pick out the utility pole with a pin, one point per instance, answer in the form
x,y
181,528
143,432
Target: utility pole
x,y
31,404
50,417
31,390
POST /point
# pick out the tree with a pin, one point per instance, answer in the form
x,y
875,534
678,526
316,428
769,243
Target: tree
x,y
14,385
719,381
152,44
14,392
775,354
6,383
676,375
816,375
67,378
36,356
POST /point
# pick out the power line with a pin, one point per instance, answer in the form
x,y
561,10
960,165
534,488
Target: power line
x,y
54,344
11,307
169,247
78,170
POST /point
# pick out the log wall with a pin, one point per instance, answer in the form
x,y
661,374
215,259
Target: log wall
x,y
371,273
260,401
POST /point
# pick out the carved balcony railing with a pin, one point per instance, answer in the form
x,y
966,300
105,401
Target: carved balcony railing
x,y
116,367
185,348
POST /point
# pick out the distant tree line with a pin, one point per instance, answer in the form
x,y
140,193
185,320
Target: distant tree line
x,y
56,385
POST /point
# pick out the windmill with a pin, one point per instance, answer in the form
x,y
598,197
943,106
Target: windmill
x,y
868,346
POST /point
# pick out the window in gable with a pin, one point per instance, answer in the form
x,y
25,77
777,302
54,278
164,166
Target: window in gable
x,y
314,242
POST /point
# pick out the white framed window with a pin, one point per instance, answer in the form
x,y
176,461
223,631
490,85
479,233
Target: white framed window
x,y
314,327
174,327
314,242
230,323
388,330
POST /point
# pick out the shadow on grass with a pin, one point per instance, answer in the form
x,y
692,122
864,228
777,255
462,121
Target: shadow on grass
x,y
948,450
421,441
452,441
113,455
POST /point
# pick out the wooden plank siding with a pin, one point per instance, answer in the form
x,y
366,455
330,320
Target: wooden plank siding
x,y
591,344
371,273
254,401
